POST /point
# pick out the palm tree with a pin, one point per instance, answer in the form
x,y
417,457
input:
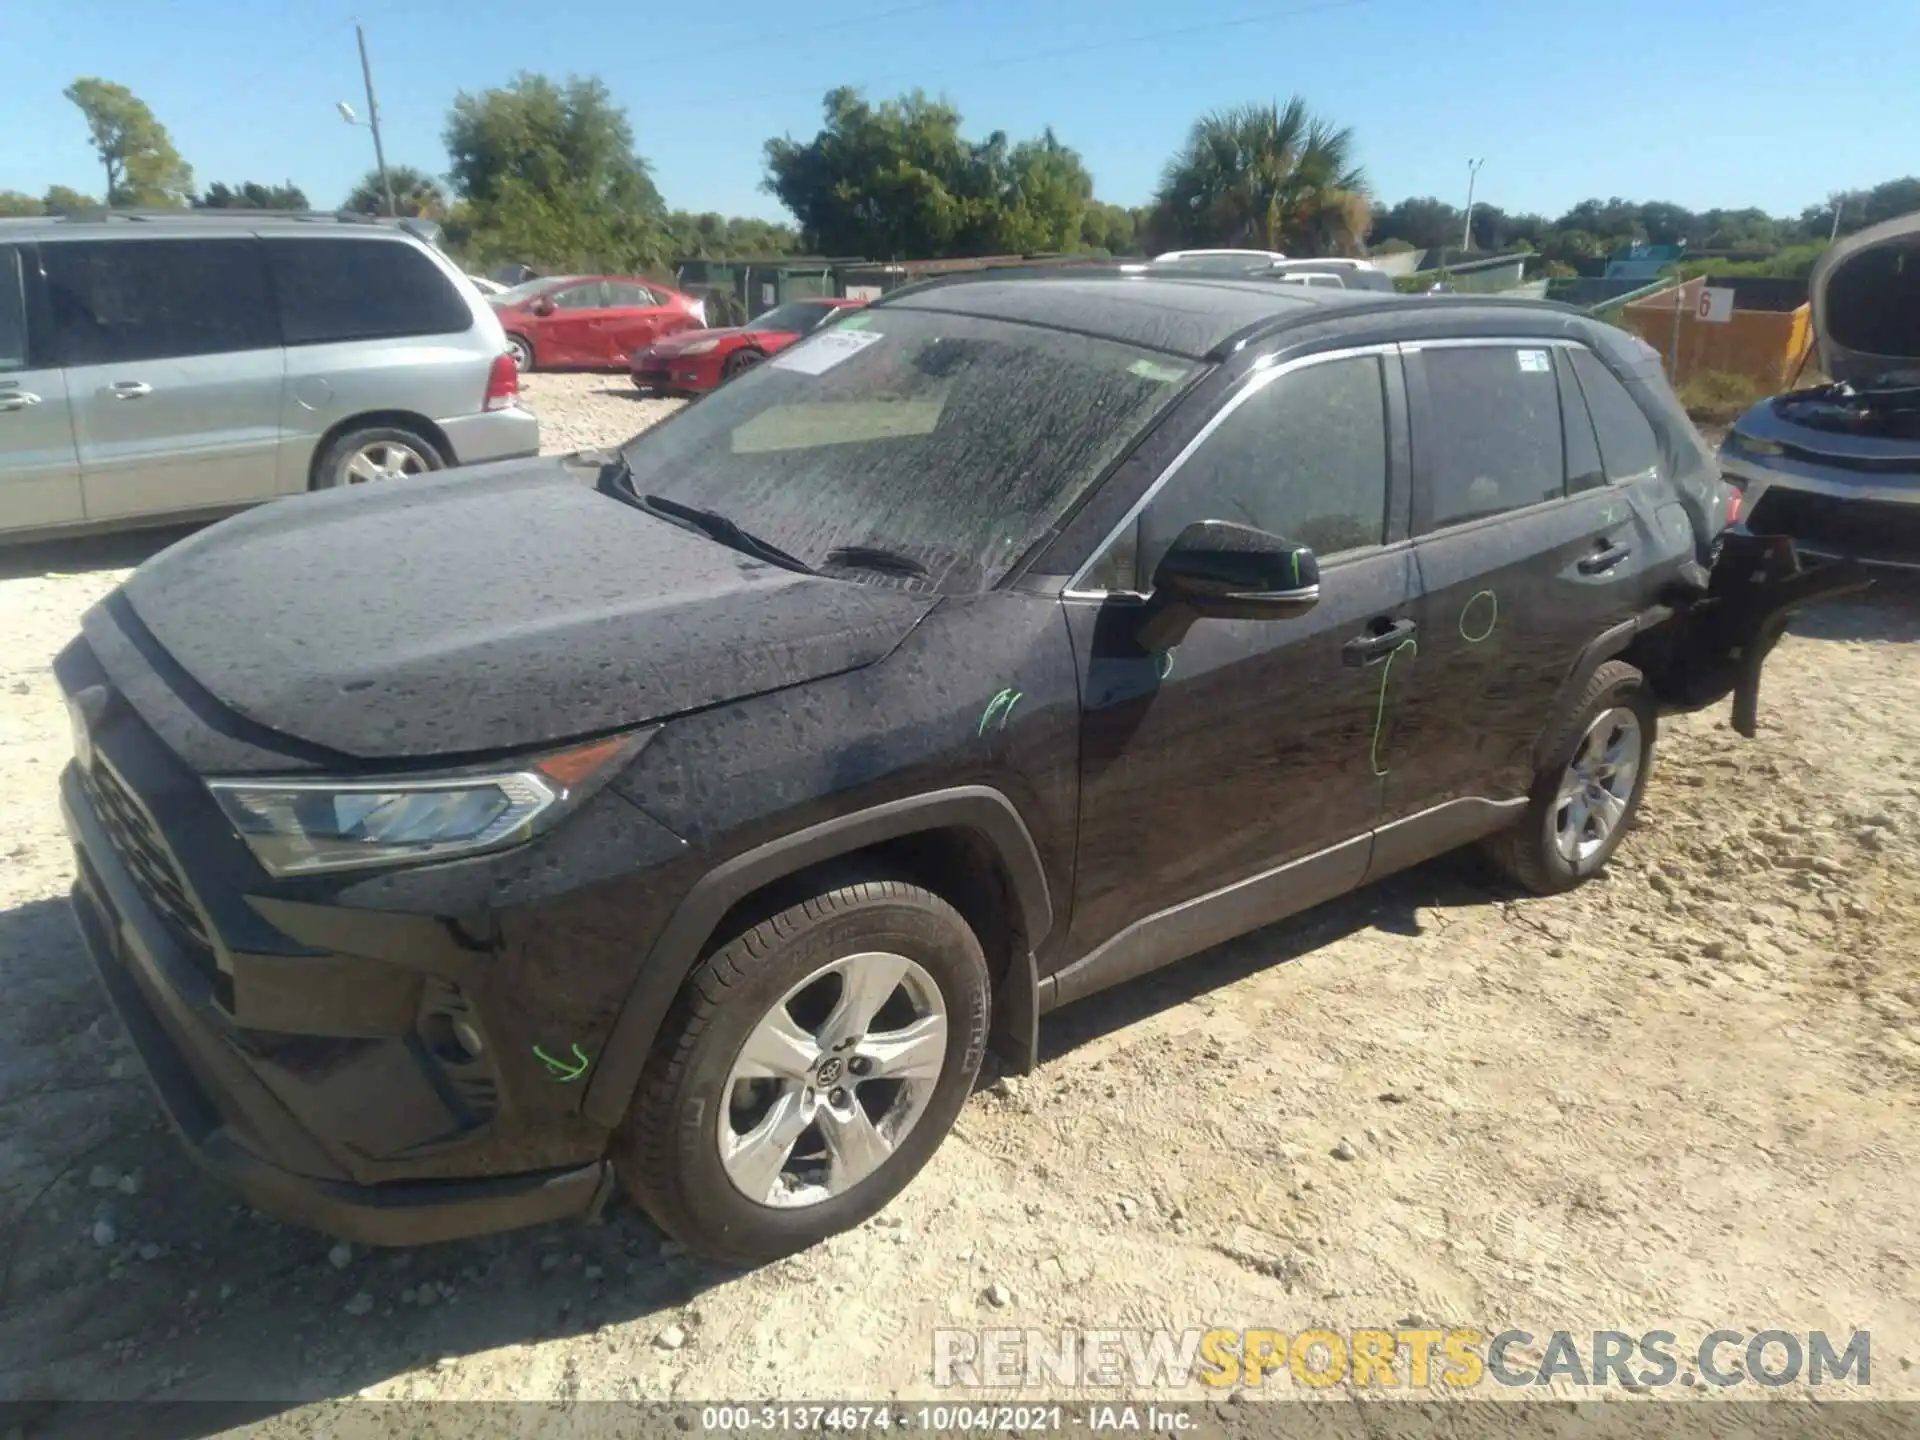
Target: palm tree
x,y
1265,177
415,193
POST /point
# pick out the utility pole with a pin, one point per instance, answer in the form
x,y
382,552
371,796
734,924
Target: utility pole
x,y
373,119
1473,173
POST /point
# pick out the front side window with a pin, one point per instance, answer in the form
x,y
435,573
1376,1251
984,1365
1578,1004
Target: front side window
x,y
954,442
116,301
1492,441
13,311
356,289
625,295
1627,444
1303,457
578,297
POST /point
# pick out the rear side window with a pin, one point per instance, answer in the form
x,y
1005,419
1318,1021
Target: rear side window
x,y
339,289
1584,471
1492,439
1305,457
13,311
119,301
1628,447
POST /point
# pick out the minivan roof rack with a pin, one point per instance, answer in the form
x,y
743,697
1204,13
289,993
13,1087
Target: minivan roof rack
x,y
97,214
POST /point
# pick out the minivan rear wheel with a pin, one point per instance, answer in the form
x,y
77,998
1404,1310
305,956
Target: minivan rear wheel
x,y
380,452
809,1068
1587,793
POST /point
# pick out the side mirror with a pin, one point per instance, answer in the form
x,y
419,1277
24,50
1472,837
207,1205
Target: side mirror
x,y
1217,569
542,307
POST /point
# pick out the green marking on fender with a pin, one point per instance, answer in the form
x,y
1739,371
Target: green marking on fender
x,y
998,708
1380,708
561,1070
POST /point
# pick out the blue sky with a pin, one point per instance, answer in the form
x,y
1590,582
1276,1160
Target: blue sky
x,y
1717,102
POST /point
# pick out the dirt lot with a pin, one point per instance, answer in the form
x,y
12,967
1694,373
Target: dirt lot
x,y
1683,1098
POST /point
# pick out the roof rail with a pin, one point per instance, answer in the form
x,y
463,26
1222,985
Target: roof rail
x,y
98,214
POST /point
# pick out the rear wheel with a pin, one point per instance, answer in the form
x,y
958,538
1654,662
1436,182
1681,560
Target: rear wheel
x,y
381,452
738,361
809,1069
1587,793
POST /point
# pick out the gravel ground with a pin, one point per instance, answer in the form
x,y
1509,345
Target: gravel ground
x,y
1682,1098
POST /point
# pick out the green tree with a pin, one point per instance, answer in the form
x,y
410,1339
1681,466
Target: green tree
x,y
251,195
415,193
547,176
1112,228
61,200
12,202
1267,176
712,236
899,180
142,167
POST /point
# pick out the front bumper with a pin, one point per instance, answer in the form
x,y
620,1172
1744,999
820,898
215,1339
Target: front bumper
x,y
670,373
510,434
230,1122
1831,513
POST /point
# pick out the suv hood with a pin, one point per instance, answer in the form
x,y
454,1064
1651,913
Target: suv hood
x,y
491,608
1865,297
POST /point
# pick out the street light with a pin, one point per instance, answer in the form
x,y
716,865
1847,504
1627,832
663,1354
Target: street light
x,y
1473,173
372,122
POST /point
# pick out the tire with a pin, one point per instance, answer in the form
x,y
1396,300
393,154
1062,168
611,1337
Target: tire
x,y
739,361
669,1152
1536,854
521,349
388,451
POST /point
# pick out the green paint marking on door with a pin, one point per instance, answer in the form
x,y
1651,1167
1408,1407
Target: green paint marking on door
x,y
1493,617
565,1071
1380,707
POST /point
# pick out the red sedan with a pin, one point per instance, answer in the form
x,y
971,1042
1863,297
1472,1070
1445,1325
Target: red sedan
x,y
591,322
695,363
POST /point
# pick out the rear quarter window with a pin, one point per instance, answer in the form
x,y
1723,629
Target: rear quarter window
x,y
1628,446
334,290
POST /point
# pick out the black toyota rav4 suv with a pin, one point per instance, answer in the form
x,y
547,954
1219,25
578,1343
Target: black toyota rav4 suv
x,y
694,817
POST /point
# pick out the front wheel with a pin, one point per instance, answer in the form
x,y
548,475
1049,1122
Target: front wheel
x,y
809,1069
1587,793
521,349
740,361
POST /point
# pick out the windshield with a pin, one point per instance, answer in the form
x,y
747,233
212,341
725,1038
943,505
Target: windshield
x,y
954,441
795,318
527,289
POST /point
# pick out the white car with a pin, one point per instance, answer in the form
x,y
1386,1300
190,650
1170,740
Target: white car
x,y
486,286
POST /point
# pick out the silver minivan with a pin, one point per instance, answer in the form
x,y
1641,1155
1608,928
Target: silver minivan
x,y
159,368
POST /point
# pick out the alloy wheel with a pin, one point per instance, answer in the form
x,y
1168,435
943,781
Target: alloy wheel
x,y
832,1080
384,460
1598,784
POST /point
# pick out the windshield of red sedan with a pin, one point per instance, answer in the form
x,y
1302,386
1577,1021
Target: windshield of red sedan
x,y
952,440
795,318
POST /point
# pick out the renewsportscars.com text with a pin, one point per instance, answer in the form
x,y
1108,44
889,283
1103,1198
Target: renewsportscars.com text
x,y
1399,1358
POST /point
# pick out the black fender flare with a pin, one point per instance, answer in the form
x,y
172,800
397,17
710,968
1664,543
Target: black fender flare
x,y
676,949
1603,647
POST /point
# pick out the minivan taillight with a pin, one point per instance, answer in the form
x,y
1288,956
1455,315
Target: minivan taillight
x,y
503,384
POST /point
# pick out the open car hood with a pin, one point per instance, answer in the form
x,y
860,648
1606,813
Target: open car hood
x,y
1865,294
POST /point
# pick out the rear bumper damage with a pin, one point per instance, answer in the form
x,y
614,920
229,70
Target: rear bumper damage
x,y
1721,636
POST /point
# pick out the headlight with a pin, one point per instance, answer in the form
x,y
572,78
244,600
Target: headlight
x,y
296,827
700,347
1747,445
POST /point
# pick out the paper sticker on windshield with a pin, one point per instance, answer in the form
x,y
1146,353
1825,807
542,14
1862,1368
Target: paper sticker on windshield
x,y
1153,370
1535,362
824,350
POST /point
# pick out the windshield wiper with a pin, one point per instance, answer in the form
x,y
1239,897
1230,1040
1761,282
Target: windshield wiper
x,y
716,526
876,557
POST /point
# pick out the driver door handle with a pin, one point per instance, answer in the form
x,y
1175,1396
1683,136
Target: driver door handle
x,y
1608,554
1377,644
127,390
